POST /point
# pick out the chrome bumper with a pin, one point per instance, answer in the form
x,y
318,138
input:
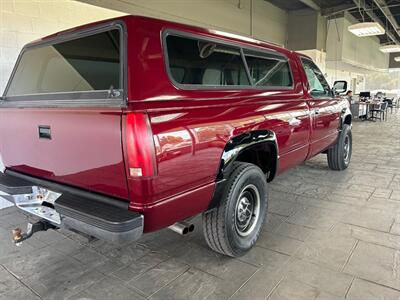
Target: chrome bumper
x,y
40,203
64,207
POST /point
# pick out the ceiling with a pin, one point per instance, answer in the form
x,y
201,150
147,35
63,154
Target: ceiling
x,y
297,4
386,12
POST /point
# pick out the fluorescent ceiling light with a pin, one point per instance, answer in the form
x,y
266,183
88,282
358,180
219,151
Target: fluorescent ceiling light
x,y
366,29
397,58
390,48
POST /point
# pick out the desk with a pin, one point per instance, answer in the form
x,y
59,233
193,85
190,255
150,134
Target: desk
x,y
358,109
368,107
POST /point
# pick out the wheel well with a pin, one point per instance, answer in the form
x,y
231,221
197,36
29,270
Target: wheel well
x,y
347,120
263,155
258,147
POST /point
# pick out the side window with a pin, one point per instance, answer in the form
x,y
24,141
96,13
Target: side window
x,y
196,62
269,71
319,87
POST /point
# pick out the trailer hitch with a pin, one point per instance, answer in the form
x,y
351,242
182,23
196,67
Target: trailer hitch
x,y
19,236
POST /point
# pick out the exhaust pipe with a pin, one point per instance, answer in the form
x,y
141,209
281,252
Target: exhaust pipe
x,y
182,228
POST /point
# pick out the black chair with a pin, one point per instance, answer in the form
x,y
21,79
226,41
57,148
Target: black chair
x,y
396,102
378,112
390,104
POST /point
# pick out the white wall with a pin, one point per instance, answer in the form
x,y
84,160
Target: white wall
x,y
355,80
343,46
340,71
22,21
268,21
388,81
319,57
363,52
357,60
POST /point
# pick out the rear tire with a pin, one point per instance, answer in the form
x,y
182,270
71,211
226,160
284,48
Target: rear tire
x,y
233,227
339,155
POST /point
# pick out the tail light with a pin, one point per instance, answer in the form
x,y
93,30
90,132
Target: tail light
x,y
139,146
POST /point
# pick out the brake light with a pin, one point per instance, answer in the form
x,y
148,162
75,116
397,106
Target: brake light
x,y
139,146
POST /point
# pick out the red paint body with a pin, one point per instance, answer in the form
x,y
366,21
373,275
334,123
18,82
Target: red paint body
x,y
190,130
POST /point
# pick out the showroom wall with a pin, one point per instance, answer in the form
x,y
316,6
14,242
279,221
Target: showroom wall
x,y
352,58
22,21
388,81
256,18
312,32
343,46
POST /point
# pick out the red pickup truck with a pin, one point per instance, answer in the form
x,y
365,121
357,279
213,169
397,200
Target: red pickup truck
x,y
130,125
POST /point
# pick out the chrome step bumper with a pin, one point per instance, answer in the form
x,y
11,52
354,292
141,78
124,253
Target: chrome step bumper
x,y
39,202
65,207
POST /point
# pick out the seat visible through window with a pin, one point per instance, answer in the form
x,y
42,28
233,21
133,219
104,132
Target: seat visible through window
x,y
195,62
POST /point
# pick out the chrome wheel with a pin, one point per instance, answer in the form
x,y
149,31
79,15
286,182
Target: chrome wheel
x,y
247,210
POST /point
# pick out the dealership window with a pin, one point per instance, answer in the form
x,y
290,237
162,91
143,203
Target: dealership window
x,y
90,63
203,63
269,71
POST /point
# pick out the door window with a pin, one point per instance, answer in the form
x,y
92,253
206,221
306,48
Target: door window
x,y
318,86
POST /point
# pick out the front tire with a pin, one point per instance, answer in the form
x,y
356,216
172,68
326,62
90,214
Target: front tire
x,y
339,155
234,226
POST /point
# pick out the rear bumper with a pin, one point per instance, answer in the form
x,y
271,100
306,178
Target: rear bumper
x,y
96,215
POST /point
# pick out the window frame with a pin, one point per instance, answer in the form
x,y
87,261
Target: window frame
x,y
261,55
329,95
241,48
74,98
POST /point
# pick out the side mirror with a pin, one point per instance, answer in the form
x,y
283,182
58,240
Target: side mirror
x,y
340,86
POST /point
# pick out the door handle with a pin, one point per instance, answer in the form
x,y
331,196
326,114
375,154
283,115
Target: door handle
x,y
316,111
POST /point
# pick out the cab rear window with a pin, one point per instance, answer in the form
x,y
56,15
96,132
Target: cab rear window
x,y
90,63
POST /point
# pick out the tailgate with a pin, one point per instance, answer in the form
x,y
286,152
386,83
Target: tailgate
x,y
61,115
83,147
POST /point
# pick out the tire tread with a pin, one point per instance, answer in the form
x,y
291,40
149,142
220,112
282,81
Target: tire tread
x,y
334,155
213,221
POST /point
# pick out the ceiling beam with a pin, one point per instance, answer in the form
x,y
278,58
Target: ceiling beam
x,y
333,10
388,14
375,18
311,4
